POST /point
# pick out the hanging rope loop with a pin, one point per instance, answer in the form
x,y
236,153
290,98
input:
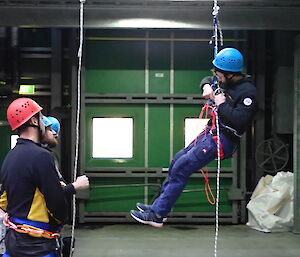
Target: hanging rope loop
x,y
215,11
209,194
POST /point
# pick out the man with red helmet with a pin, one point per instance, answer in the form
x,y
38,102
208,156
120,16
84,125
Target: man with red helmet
x,y
31,193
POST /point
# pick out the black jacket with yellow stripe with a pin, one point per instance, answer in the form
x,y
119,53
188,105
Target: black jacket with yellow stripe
x,y
30,185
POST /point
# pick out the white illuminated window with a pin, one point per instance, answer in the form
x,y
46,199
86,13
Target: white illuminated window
x,y
13,141
112,137
192,128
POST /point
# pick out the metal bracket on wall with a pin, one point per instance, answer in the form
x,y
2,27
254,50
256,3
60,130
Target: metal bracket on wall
x,y
143,172
145,98
83,194
235,194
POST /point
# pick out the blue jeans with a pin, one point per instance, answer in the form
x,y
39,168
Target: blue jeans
x,y
184,164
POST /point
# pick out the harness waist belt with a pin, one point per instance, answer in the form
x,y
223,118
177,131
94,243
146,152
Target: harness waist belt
x,y
33,223
227,133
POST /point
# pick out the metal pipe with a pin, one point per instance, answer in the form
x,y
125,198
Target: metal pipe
x,y
125,185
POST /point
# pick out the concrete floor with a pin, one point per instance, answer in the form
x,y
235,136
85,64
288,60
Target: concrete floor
x,y
137,240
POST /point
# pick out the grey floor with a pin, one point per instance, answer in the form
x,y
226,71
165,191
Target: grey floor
x,y
137,240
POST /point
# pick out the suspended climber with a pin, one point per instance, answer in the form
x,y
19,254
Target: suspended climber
x,y
31,193
235,106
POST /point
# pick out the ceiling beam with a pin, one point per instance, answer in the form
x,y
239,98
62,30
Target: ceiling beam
x,y
238,17
103,3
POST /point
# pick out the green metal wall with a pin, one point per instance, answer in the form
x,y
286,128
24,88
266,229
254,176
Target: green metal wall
x,y
114,66
122,199
5,133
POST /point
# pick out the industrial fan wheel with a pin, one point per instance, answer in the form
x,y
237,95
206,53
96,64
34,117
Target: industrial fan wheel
x,y
272,155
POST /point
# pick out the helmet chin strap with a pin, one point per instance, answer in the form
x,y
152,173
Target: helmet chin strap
x,y
40,130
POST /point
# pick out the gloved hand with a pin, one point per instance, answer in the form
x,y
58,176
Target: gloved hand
x,y
219,99
81,182
207,92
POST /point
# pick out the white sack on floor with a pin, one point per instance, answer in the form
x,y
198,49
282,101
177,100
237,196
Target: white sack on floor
x,y
271,205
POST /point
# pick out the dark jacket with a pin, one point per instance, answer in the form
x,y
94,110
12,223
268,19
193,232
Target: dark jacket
x,y
31,188
238,110
69,188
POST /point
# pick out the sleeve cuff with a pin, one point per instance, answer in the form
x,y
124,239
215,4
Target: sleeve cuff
x,y
206,80
220,107
69,189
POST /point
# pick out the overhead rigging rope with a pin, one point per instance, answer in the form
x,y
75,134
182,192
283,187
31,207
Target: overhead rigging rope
x,y
77,120
217,29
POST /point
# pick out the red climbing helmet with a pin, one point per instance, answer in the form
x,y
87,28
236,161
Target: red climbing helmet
x,y
20,111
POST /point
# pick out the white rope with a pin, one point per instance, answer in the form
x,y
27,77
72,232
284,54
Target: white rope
x,y
218,187
77,122
220,32
216,32
217,28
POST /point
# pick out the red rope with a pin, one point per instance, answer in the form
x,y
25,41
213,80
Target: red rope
x,y
208,190
205,110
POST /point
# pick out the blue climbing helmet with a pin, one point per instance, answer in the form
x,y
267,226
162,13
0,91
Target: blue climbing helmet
x,y
55,124
229,59
46,121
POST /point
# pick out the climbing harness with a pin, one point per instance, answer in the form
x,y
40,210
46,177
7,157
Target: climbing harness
x,y
81,20
30,227
207,108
